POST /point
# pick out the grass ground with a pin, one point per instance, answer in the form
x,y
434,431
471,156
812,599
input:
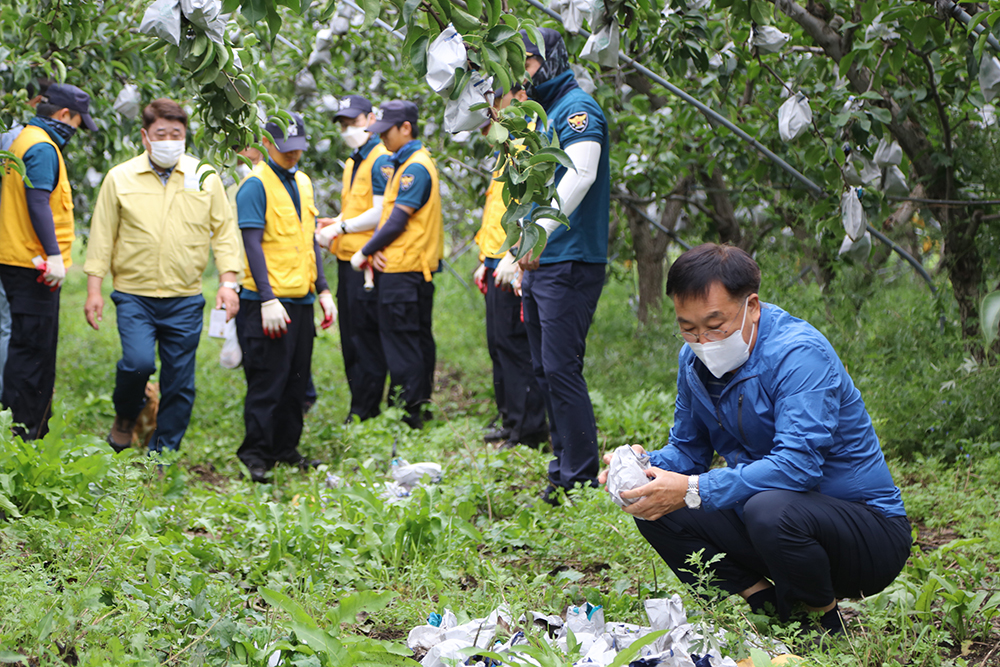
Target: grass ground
x,y
117,561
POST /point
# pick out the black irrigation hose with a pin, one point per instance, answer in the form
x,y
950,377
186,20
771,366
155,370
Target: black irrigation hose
x,y
681,242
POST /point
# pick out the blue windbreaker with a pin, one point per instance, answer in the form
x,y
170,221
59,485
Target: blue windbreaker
x,y
790,418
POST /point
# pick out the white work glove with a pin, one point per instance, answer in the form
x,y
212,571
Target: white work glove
x,y
326,235
54,272
274,319
479,276
359,261
329,309
506,272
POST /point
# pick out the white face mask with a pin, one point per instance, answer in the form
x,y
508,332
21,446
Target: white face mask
x,y
242,171
166,153
354,136
725,355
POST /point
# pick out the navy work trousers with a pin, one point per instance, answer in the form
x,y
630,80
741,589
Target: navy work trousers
x,y
364,361
405,310
277,373
30,372
519,400
175,325
814,548
559,304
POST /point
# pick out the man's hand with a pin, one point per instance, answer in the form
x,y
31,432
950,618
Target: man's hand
x,y
530,261
54,272
380,261
226,297
358,261
479,276
328,232
506,272
329,309
93,309
326,222
603,477
274,319
661,496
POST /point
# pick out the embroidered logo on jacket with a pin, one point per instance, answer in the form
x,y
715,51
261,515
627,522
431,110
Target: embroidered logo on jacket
x,y
405,181
578,121
387,171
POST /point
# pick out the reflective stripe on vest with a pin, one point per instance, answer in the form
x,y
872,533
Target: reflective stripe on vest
x,y
356,198
20,242
421,245
287,242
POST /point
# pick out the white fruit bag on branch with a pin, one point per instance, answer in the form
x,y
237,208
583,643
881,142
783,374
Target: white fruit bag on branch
x,y
768,39
305,83
127,101
887,153
989,76
794,117
321,48
163,19
856,251
852,214
627,471
445,54
207,15
458,116
572,13
894,182
602,46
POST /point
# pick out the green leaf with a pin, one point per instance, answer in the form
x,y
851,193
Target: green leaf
x,y
535,108
501,34
627,655
497,134
287,604
475,7
10,657
372,9
529,237
989,317
552,155
881,115
493,12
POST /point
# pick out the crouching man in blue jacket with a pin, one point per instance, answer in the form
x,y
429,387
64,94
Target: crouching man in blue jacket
x,y
805,510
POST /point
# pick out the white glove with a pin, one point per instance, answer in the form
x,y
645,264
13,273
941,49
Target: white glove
x,y
479,277
329,309
274,319
506,271
359,260
54,272
326,235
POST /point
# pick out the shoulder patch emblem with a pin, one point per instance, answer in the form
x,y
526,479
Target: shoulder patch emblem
x,y
578,121
387,171
405,181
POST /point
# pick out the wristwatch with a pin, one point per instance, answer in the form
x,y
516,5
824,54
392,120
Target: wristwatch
x,y
691,498
343,226
231,285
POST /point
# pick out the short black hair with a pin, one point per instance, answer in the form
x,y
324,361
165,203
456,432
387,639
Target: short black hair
x,y
414,128
47,110
694,272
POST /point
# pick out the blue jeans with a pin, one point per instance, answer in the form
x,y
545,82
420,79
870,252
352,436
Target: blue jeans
x,y
4,331
175,324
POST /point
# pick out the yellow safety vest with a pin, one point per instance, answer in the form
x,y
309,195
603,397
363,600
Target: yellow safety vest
x,y
356,198
20,242
421,245
288,241
491,234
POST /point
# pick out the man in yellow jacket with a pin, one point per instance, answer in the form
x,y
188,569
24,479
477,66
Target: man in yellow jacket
x,y
366,173
519,401
36,225
155,219
406,248
277,218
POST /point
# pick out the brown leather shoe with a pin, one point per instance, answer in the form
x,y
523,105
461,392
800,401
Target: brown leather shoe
x,y
120,437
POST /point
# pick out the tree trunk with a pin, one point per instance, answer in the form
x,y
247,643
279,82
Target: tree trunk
x,y
725,220
650,246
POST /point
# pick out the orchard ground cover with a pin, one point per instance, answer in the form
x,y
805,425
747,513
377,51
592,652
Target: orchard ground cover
x,y
109,560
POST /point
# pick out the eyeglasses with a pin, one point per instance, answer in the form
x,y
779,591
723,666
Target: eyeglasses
x,y
712,335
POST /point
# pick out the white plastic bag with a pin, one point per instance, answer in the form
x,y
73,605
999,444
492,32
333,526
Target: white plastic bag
x,y
852,214
989,76
888,152
572,13
856,251
127,101
794,117
768,39
163,19
231,356
341,25
207,15
445,54
458,116
305,83
410,474
861,171
894,182
321,48
627,471
583,78
602,46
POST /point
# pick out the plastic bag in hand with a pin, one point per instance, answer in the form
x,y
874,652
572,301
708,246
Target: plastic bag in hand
x,y
231,355
856,251
627,471
852,214
458,116
602,46
888,152
768,39
445,55
794,117
127,102
163,20
894,182
989,76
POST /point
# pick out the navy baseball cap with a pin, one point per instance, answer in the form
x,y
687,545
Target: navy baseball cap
x,y
393,113
65,96
353,106
296,133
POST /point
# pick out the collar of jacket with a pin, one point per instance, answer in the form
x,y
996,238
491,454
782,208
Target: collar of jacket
x,y
404,153
548,93
360,154
768,313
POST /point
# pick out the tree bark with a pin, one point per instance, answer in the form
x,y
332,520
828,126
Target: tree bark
x,y
725,220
